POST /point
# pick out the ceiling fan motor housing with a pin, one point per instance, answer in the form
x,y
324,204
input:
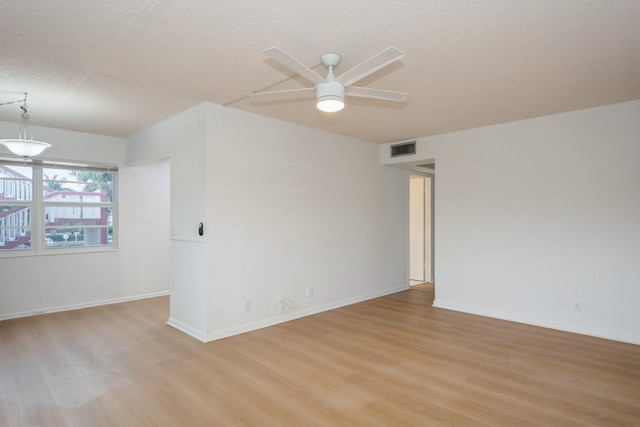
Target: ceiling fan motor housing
x,y
330,90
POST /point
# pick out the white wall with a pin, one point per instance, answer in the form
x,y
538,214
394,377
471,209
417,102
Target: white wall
x,y
46,283
182,140
144,227
536,215
287,208
291,208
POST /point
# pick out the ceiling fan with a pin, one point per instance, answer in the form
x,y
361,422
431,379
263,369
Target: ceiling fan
x,y
331,90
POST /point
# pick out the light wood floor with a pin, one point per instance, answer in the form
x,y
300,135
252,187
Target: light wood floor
x,y
393,361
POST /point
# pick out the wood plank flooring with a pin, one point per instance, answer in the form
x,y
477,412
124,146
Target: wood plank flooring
x,y
392,361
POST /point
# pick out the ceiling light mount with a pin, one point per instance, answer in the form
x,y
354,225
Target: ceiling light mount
x,y
330,60
24,145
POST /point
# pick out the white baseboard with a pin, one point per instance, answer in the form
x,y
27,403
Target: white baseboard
x,y
81,305
272,321
182,327
537,322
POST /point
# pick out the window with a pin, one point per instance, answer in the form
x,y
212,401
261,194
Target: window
x,y
50,207
16,206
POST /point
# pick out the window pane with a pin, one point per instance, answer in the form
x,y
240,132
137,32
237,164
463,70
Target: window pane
x,y
68,226
15,183
61,215
24,172
77,186
15,227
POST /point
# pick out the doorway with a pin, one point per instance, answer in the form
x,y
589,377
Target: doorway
x,y
420,229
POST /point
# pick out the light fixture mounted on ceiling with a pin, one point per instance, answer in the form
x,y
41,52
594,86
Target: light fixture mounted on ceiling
x,y
24,145
330,93
331,90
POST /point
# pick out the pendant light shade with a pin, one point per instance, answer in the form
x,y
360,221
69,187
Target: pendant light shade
x,y
24,145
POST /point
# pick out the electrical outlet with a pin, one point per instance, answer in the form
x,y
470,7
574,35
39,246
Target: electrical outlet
x,y
246,305
309,292
577,305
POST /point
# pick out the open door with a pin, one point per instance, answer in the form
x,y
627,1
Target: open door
x,y
420,233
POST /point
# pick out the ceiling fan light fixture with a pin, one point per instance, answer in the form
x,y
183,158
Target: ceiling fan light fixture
x,y
24,145
330,96
330,104
330,90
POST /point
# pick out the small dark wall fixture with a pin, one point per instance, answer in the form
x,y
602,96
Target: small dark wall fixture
x,y
201,229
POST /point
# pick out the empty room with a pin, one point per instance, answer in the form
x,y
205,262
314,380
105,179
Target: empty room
x,y
207,213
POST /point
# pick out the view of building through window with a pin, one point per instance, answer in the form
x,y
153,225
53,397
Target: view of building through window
x,y
74,209
16,197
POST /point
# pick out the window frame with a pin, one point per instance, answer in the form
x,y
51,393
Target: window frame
x,y
38,206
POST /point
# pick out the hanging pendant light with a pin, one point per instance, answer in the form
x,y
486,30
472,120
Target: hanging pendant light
x,y
24,145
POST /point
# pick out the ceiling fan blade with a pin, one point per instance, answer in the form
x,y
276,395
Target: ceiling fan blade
x,y
294,65
370,66
278,95
387,95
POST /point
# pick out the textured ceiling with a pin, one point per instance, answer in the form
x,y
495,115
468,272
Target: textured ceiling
x,y
115,67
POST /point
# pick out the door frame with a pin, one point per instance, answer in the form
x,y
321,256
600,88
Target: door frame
x,y
431,225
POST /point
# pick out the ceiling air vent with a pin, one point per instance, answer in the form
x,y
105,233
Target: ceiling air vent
x,y
403,149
